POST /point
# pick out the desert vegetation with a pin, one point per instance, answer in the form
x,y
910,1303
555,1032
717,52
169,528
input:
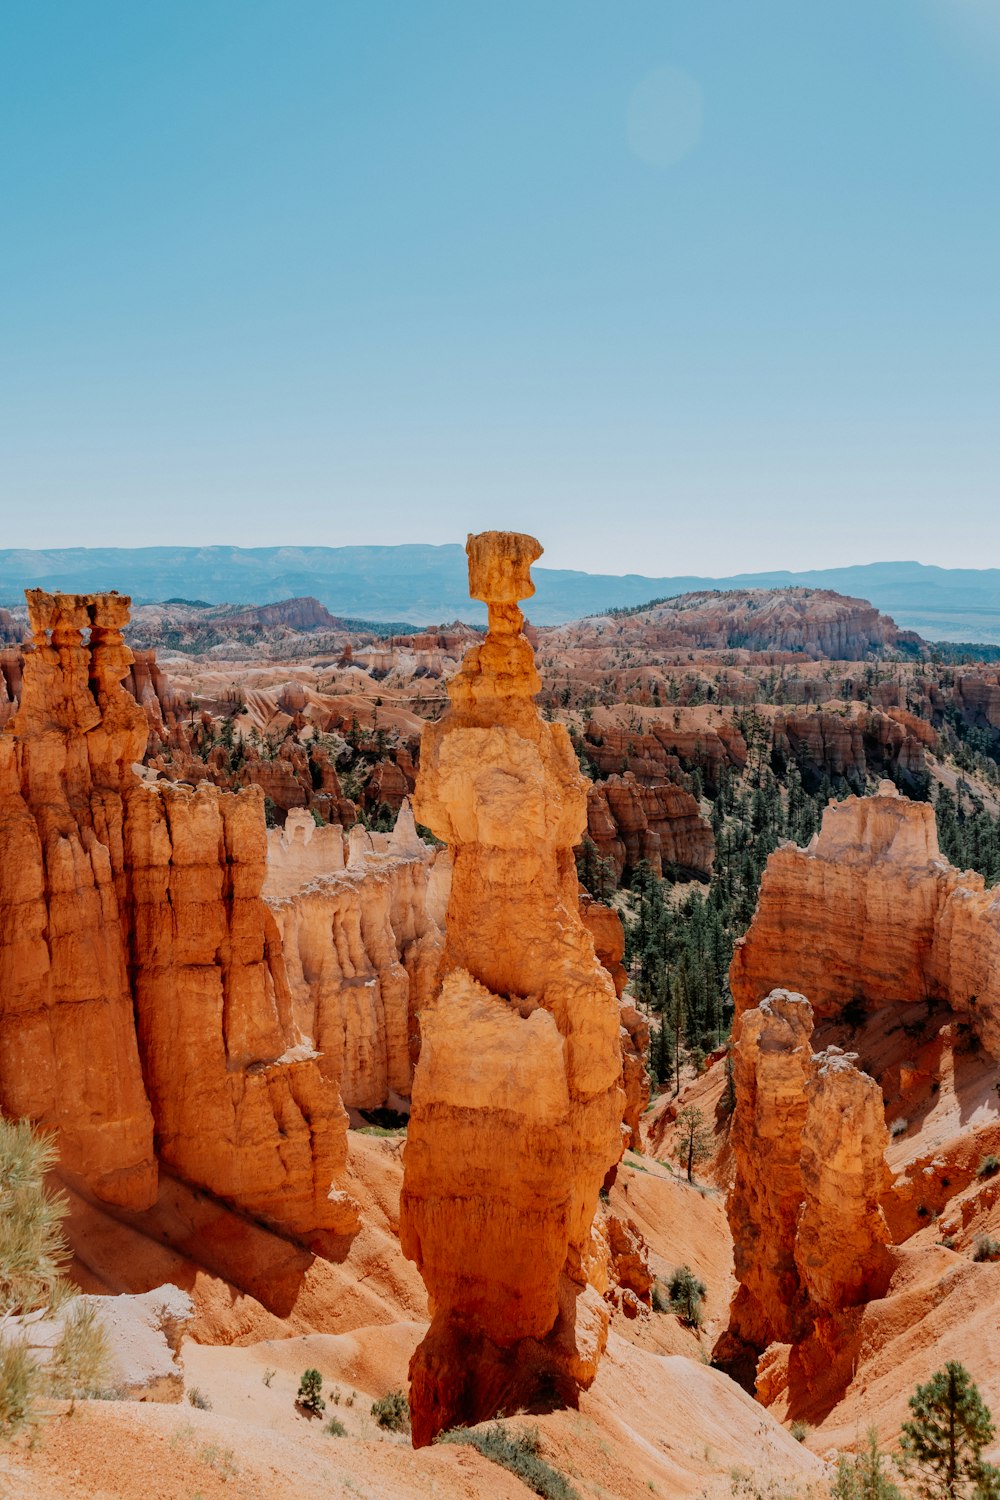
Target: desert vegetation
x,y
34,1289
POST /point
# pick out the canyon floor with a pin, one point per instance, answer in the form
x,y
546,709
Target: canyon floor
x,y
658,1420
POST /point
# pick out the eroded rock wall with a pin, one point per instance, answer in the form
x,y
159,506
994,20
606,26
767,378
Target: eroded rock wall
x,y
771,1065
871,912
68,1052
660,823
516,1095
808,1141
854,745
362,946
842,1236
141,975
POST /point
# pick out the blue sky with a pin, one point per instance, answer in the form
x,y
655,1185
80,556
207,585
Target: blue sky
x,y
679,285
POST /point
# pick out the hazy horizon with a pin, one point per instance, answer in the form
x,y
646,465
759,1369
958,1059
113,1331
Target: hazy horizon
x,y
680,290
545,563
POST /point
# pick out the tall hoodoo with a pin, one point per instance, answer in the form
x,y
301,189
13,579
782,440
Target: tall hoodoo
x,y
808,1141
516,1109
68,1053
772,1060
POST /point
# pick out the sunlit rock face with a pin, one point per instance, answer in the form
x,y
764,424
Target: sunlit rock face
x,y
871,912
517,1104
141,977
68,1051
362,946
808,1140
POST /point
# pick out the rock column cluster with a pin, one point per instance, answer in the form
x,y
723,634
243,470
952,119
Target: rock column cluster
x,y
808,1140
142,987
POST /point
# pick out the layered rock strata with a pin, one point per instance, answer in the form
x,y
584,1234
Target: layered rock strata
x,y
808,1142
871,912
771,1065
808,622
362,945
841,1238
141,973
854,745
663,747
660,823
68,1052
517,1103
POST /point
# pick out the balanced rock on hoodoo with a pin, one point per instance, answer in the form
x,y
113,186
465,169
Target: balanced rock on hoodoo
x,y
516,1106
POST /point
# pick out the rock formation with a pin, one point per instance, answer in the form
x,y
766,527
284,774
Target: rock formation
x,y
808,1142
68,1051
842,1234
870,912
516,1103
663,747
854,745
11,664
141,973
809,622
635,1077
362,946
618,1266
605,927
662,824
771,1065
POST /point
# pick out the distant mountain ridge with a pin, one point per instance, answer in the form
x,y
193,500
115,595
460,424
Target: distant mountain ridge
x,y
426,584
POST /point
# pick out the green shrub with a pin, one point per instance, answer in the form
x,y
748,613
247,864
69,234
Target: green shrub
x,y
199,1399
687,1294
862,1476
799,1431
899,1127
661,1297
80,1358
33,1253
335,1428
19,1379
985,1247
392,1411
989,1166
310,1393
518,1452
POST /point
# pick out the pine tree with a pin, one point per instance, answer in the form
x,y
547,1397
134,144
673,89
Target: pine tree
x,y
693,1141
942,1443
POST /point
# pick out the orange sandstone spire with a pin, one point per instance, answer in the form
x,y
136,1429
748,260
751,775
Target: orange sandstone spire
x,y
516,1111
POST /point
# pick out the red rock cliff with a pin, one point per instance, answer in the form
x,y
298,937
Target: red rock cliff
x,y
808,1141
517,1107
140,972
68,1052
870,911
